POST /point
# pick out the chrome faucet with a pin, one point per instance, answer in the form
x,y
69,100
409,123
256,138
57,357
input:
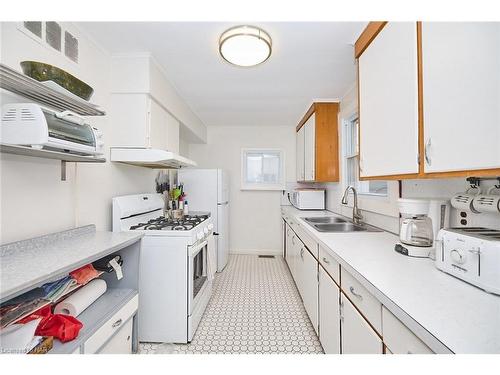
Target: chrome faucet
x,y
356,214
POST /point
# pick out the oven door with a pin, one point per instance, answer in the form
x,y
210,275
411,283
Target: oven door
x,y
197,273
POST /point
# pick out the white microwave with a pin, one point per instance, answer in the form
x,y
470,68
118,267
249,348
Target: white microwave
x,y
308,199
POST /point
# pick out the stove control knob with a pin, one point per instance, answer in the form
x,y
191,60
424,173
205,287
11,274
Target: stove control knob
x,y
457,256
205,230
200,235
210,226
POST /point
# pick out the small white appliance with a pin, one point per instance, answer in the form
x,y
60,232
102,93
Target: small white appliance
x,y
208,190
471,254
32,125
421,220
308,199
176,266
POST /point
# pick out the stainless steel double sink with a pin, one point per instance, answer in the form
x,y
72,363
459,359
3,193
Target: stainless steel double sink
x,y
334,224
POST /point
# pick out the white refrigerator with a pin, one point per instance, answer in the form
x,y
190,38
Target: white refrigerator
x,y
208,190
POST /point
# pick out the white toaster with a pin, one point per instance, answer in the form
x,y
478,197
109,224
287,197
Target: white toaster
x,y
471,254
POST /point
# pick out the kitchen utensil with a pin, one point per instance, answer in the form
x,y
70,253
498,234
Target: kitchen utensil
x,y
463,201
488,203
46,72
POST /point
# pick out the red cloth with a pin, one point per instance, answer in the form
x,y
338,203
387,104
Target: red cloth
x,y
62,327
84,274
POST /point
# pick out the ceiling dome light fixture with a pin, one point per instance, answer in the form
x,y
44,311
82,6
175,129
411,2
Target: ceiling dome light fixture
x,y
245,46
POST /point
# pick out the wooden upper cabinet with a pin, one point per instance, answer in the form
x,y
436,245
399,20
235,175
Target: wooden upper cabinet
x,y
317,144
429,97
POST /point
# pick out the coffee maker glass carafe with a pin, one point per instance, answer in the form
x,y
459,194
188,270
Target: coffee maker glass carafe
x,y
417,231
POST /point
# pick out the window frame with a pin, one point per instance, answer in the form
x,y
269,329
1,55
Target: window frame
x,y
245,185
351,152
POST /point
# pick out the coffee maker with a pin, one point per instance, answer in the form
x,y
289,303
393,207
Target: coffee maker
x,y
420,222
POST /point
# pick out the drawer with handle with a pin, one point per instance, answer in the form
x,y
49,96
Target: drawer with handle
x,y
311,244
398,338
112,326
369,306
329,264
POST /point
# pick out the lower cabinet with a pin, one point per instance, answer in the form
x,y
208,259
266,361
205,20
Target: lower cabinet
x,y
308,280
329,313
121,342
399,339
357,335
114,336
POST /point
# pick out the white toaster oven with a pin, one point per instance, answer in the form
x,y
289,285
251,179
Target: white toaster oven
x,y
471,254
308,199
30,124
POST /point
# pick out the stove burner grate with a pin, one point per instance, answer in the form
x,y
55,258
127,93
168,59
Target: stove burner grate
x,y
163,223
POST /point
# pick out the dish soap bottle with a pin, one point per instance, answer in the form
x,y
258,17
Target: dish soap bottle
x,y
186,208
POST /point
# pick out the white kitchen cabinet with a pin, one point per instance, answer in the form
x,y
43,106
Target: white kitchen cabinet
x,y
461,95
300,139
121,342
357,335
329,313
142,122
308,280
388,102
105,334
399,339
309,149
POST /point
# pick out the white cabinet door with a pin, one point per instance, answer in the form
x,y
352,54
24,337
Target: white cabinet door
x,y
121,342
163,129
300,154
310,149
388,104
461,95
329,313
357,335
309,281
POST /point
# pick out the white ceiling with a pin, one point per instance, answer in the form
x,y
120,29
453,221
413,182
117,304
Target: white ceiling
x,y
309,61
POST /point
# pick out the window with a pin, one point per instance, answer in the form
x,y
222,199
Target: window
x,y
351,162
262,169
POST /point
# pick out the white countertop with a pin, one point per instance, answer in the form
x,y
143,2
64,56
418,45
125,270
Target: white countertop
x,y
444,312
30,263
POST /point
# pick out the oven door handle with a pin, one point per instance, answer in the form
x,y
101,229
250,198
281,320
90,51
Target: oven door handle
x,y
193,250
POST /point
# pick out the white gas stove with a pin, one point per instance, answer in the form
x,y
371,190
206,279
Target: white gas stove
x,y
176,268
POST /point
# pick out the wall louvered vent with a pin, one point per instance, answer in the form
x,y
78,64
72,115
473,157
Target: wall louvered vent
x,y
35,27
19,114
70,46
53,35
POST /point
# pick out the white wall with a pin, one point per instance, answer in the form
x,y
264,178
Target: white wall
x,y
254,215
34,201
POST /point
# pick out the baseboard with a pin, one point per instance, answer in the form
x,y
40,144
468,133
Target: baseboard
x,y
256,251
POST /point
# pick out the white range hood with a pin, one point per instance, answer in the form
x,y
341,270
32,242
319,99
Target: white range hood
x,y
150,158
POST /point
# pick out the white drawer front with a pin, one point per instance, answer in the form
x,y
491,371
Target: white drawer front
x,y
398,338
363,299
329,264
108,329
307,240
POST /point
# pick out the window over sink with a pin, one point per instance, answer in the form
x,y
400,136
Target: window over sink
x,y
351,162
262,169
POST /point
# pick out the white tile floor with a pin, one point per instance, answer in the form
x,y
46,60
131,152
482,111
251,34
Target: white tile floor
x,y
255,308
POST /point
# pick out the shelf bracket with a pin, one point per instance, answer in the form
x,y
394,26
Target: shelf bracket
x,y
63,170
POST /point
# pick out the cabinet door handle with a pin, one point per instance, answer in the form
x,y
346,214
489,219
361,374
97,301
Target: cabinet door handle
x,y
326,260
426,152
117,323
354,293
